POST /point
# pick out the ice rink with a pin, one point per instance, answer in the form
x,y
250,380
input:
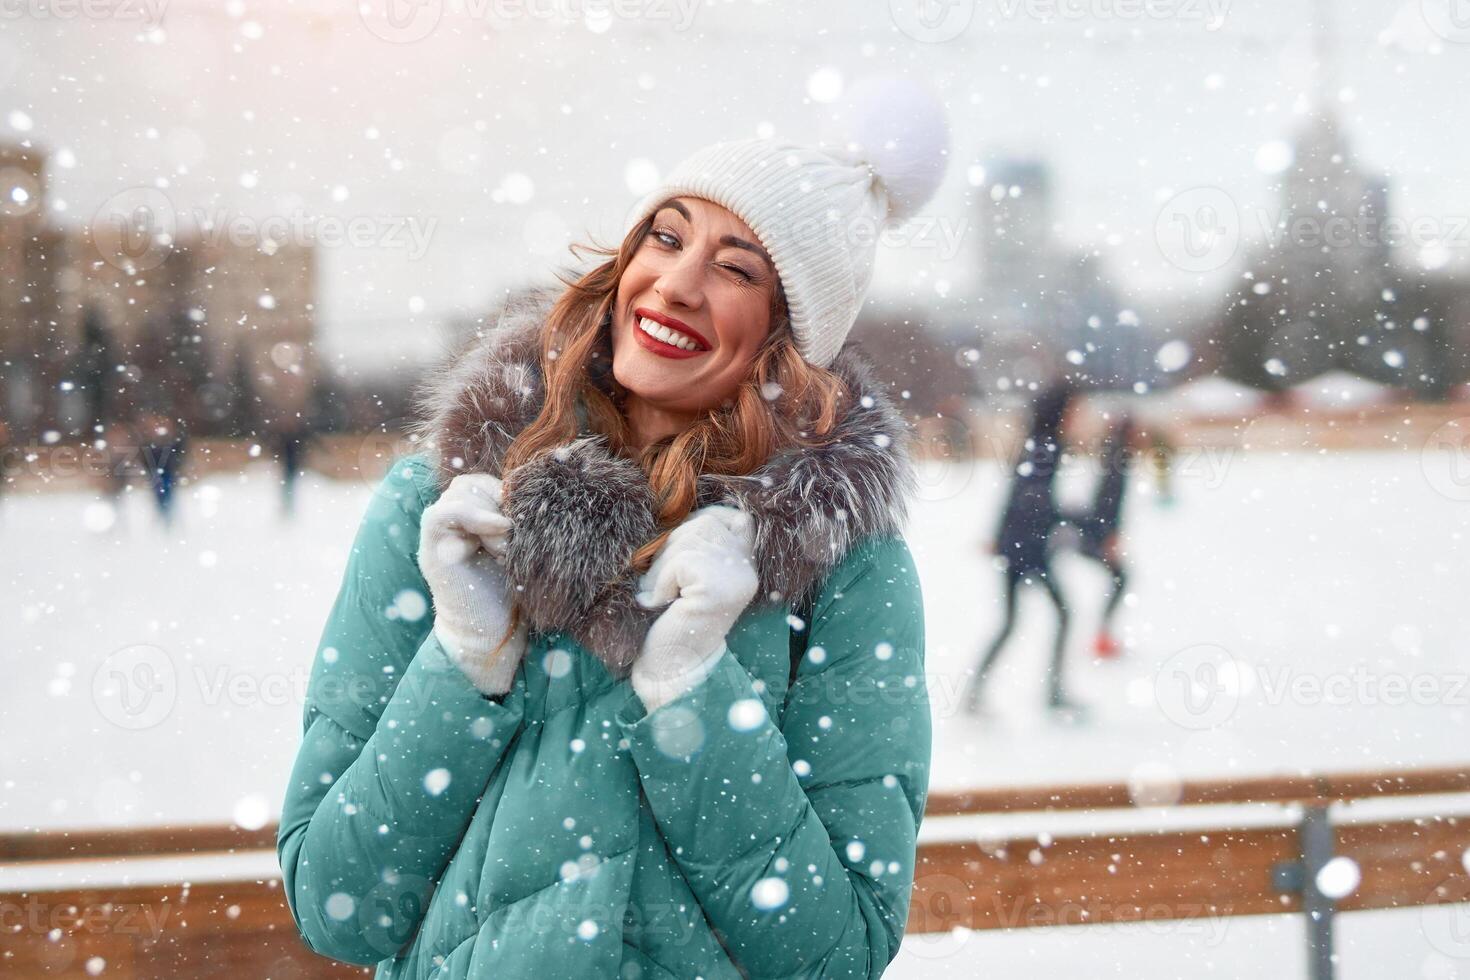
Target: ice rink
x,y
1287,612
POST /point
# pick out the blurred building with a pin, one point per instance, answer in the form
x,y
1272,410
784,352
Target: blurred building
x,y
1336,285
128,315
1045,307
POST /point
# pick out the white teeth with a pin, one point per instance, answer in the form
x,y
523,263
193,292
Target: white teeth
x,y
655,329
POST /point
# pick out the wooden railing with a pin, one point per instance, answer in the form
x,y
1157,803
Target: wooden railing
x,y
243,928
1200,873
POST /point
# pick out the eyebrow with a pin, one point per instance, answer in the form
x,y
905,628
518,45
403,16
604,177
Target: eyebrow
x,y
730,240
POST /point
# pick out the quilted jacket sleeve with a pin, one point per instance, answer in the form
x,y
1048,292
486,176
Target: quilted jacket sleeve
x,y
800,839
398,746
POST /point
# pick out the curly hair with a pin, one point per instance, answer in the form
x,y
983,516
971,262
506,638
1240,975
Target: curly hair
x,y
784,401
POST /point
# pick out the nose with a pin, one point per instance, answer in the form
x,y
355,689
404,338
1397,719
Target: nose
x,y
682,284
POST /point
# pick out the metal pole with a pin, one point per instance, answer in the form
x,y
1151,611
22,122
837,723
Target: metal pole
x,y
1317,845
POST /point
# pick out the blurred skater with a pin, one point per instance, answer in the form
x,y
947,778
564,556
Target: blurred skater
x,y
164,445
5,462
1098,529
291,446
1023,540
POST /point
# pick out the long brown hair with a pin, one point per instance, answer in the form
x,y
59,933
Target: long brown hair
x,y
784,401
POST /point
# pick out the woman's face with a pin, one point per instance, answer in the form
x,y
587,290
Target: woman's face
x,y
701,273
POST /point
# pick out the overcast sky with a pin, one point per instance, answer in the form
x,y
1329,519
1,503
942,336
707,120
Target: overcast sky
x,y
475,137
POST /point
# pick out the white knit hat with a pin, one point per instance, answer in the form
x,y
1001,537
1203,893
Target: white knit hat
x,y
818,210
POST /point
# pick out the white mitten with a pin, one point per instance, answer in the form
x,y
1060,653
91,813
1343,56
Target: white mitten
x,y
706,569
462,541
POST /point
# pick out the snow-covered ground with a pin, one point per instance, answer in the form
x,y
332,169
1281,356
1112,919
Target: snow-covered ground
x,y
1289,612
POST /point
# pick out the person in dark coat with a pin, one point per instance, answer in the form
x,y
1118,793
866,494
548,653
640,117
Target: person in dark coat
x,y
291,446
165,443
6,452
1023,539
1097,530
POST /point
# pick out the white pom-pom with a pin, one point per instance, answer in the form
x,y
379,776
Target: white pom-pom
x,y
899,128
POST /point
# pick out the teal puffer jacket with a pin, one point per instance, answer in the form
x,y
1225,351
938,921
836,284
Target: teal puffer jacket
x,y
562,831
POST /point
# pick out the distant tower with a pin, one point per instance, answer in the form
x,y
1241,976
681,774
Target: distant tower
x,y
1046,304
1016,230
1329,262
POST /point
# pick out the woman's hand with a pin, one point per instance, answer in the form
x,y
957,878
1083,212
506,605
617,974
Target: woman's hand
x,y
705,570
462,541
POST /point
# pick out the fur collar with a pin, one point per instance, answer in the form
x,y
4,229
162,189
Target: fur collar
x,y
581,511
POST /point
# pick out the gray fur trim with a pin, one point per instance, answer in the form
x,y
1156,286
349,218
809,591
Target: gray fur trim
x,y
590,510
580,512
470,409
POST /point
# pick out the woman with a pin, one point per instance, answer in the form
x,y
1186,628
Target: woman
x,y
587,754
1023,542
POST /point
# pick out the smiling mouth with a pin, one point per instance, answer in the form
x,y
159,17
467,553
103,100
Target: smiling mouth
x,y
668,335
